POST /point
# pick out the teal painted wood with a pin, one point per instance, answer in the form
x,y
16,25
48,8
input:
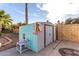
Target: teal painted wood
x,y
32,40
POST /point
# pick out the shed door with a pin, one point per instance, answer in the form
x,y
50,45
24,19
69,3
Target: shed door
x,y
48,34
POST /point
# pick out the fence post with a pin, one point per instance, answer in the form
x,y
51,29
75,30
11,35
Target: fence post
x,y
54,32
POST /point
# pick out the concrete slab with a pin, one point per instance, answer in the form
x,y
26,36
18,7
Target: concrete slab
x,y
51,50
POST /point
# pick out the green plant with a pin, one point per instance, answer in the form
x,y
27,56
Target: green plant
x,y
5,20
72,21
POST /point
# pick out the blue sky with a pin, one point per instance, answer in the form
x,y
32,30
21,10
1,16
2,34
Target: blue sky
x,y
57,10
35,14
17,12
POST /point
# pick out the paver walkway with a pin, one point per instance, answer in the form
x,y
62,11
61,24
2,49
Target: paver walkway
x,y
12,36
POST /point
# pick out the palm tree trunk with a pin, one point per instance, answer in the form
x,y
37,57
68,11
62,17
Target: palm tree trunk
x,y
0,27
26,13
3,27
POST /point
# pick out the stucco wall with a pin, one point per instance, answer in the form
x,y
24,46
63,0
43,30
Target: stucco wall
x,y
68,32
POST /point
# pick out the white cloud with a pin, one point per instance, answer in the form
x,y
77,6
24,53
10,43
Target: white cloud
x,y
19,12
57,9
35,14
36,20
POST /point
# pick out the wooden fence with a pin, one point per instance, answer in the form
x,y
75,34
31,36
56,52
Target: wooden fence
x,y
68,32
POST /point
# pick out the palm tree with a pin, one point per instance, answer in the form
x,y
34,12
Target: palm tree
x,y
26,10
5,20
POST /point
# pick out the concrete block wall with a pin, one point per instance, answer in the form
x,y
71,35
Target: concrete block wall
x,y
68,32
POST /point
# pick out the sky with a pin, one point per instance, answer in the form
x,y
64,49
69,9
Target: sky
x,y
15,10
35,14
60,9
53,11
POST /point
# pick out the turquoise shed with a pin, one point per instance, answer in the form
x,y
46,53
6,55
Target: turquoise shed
x,y
38,35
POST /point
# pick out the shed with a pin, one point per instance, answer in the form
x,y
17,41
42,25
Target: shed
x,y
38,35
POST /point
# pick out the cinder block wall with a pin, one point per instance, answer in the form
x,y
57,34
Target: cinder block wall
x,y
68,32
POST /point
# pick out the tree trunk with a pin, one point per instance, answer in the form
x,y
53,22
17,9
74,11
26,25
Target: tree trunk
x,y
3,27
0,28
26,12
